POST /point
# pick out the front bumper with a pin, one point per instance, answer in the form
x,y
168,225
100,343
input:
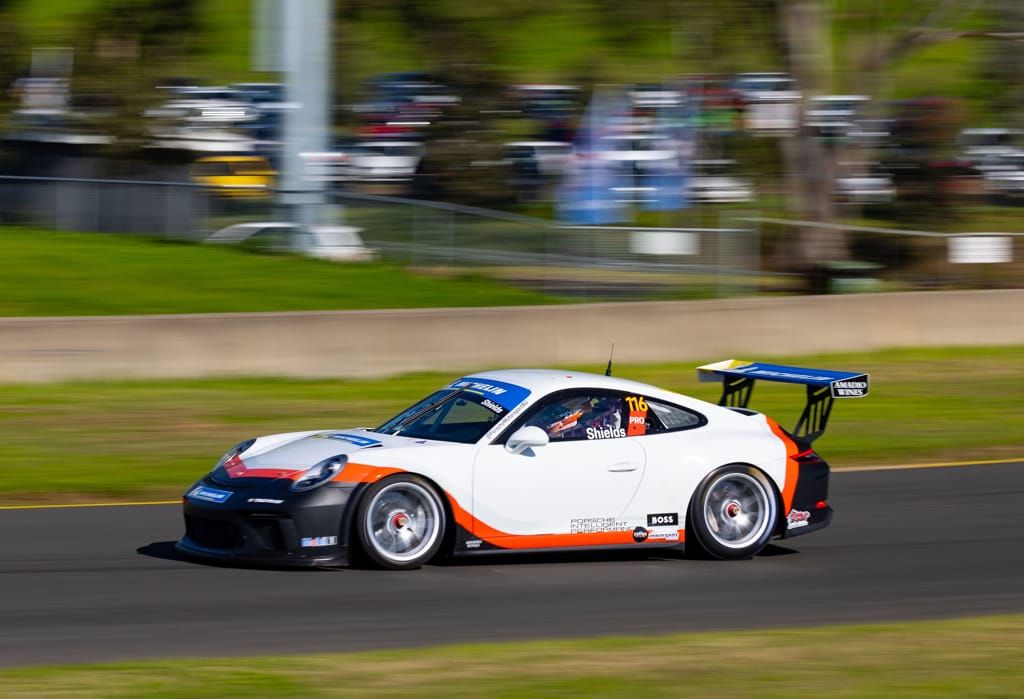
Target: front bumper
x,y
266,524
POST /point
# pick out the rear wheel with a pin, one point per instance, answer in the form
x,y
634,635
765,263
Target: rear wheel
x,y
400,522
733,513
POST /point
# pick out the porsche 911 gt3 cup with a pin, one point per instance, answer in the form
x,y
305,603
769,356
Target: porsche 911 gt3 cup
x,y
527,460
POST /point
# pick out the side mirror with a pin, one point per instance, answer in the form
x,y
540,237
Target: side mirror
x,y
526,438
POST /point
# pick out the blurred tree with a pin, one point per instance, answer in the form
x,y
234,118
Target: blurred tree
x,y
811,165
12,48
898,32
123,51
922,161
464,149
464,160
1005,68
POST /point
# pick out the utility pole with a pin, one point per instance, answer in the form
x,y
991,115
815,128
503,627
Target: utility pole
x,y
301,52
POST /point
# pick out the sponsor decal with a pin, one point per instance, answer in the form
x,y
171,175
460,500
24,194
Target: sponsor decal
x,y
265,501
589,525
474,543
518,410
480,387
637,424
640,535
663,534
855,387
507,395
355,439
605,432
317,541
492,406
500,424
663,518
209,494
758,370
798,518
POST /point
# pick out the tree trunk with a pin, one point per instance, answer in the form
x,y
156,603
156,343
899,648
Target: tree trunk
x,y
810,161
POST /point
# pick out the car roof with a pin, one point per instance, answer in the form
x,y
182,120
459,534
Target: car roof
x,y
544,381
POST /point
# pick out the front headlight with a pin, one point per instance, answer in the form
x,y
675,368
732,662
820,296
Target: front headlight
x,y
319,474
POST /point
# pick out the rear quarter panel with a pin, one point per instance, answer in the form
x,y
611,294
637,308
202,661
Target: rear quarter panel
x,y
678,461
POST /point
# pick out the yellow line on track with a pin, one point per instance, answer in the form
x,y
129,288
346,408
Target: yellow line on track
x,y
947,464
87,504
852,469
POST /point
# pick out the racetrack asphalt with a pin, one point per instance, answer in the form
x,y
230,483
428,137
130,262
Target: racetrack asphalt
x,y
95,584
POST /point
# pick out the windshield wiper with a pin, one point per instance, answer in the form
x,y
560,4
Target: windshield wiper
x,y
402,424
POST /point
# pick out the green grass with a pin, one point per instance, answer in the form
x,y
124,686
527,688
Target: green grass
x,y
48,274
962,658
144,440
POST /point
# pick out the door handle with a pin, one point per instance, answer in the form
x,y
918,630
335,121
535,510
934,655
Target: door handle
x,y
623,468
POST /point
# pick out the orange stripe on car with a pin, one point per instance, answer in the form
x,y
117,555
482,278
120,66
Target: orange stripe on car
x,y
792,467
361,473
538,541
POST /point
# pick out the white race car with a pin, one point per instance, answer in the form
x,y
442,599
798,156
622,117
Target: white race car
x,y
527,459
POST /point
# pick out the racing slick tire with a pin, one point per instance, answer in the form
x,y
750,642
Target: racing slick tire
x,y
400,522
733,513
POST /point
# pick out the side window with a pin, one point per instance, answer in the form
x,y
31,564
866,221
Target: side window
x,y
672,417
580,416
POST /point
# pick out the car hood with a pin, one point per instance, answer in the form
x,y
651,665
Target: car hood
x,y
282,456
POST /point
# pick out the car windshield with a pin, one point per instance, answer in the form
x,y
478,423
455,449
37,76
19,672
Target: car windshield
x,y
448,415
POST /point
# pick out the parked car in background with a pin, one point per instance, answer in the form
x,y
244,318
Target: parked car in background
x,y
553,108
236,176
383,161
1004,179
833,116
330,167
714,182
714,104
534,165
864,183
981,146
648,98
771,101
549,158
335,243
402,104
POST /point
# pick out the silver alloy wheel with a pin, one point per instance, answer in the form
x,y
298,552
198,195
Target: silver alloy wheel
x,y
403,520
737,509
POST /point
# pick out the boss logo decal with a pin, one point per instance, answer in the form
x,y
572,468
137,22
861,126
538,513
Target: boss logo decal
x,y
663,519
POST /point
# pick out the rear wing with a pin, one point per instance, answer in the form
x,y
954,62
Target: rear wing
x,y
823,386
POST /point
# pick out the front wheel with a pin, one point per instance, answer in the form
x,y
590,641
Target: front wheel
x,y
400,522
733,513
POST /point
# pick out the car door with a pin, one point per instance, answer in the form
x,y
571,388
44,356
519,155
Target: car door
x,y
578,485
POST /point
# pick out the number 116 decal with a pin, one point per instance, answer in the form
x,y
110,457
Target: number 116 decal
x,y
637,415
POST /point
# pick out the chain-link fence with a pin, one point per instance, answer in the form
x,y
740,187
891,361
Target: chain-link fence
x,y
889,259
106,206
577,261
746,254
